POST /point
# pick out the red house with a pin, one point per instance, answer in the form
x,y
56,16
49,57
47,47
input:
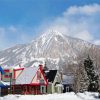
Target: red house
x,y
30,81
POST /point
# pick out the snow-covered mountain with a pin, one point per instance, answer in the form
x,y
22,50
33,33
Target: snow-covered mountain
x,y
53,47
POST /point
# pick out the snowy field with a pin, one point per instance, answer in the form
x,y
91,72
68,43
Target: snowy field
x,y
65,96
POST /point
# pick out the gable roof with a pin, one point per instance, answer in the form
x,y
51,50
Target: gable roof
x,y
68,79
50,75
27,75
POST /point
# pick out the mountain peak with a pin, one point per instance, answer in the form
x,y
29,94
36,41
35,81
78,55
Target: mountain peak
x,y
52,33
55,32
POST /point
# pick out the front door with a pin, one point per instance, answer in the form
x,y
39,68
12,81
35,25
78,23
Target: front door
x,y
67,88
43,89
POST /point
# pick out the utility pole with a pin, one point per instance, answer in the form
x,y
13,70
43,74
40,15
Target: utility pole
x,y
11,70
10,83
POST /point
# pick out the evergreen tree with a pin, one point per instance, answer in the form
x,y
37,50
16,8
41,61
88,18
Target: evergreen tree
x,y
93,78
81,81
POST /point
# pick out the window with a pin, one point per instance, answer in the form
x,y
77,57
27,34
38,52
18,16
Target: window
x,y
7,75
43,89
67,89
38,75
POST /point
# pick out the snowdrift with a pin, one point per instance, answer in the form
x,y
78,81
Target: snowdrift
x,y
65,96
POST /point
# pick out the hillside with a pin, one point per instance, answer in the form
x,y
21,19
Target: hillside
x,y
56,49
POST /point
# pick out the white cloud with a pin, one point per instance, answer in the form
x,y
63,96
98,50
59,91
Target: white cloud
x,y
97,42
84,35
3,40
87,10
61,28
11,35
78,21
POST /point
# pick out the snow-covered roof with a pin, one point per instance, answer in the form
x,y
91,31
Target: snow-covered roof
x,y
27,75
3,84
32,64
68,79
59,85
17,67
13,67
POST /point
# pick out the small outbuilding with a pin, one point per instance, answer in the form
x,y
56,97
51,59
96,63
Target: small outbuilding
x,y
68,83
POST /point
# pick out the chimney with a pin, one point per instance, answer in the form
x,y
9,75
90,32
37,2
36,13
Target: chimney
x,y
61,76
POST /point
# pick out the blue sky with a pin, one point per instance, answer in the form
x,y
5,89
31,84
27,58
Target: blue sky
x,y
23,20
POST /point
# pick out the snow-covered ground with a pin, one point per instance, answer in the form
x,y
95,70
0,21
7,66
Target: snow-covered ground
x,y
65,96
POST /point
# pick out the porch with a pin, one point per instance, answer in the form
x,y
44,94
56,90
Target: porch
x,y
28,89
